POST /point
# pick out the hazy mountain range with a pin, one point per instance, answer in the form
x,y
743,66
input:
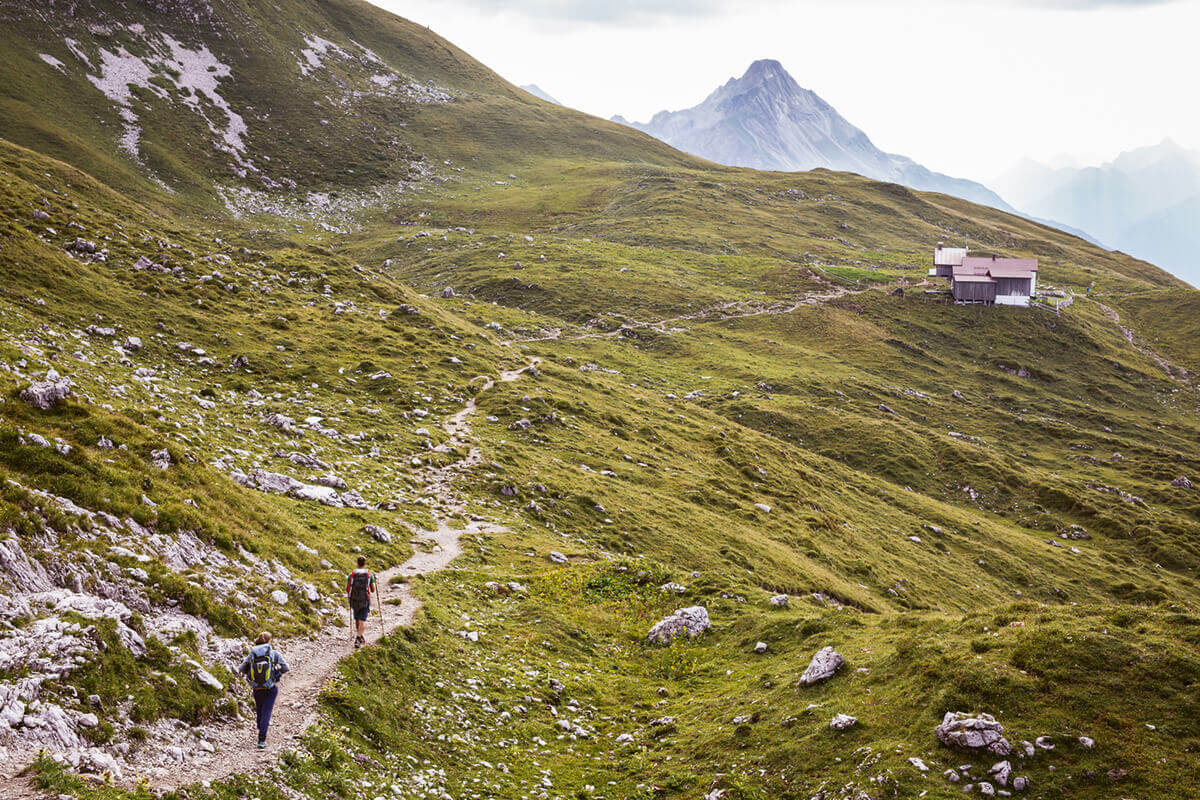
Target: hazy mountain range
x,y
765,120
1145,202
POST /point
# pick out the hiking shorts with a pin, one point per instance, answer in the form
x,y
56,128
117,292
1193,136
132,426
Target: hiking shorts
x,y
362,614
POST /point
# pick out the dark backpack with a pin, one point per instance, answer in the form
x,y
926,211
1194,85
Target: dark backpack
x,y
262,669
360,589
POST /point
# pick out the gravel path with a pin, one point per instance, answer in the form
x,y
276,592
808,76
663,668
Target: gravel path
x,y
314,660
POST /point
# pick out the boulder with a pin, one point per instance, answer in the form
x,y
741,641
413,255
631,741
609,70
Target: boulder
x,y
273,482
842,722
48,393
824,664
448,293
324,495
1182,482
377,533
352,499
281,421
132,344
978,733
690,622
332,481
779,601
206,679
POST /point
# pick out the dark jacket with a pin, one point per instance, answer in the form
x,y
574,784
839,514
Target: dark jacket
x,y
278,665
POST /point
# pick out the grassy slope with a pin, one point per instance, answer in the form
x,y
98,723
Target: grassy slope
x,y
632,232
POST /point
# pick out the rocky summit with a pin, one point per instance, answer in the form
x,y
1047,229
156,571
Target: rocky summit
x,y
678,480
766,120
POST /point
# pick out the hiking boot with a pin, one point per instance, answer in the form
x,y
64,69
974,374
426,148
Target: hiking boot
x,y
262,744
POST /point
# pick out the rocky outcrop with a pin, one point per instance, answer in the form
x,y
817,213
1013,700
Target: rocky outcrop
x,y
46,394
974,733
824,664
689,622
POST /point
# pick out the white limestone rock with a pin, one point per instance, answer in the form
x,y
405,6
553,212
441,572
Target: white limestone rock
x,y
690,622
979,733
824,664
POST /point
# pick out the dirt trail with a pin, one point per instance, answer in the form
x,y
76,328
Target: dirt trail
x,y
314,660
734,309
1175,373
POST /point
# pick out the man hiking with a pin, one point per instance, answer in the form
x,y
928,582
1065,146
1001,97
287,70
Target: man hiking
x,y
360,585
263,667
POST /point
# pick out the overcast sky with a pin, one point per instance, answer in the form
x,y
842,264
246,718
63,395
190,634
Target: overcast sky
x,y
967,87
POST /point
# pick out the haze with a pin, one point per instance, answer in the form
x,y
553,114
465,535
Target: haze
x,y
964,88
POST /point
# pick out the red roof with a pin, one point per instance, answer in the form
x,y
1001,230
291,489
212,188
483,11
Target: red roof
x,y
982,266
1012,272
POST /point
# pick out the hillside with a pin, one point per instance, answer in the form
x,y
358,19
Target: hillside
x,y
621,380
766,120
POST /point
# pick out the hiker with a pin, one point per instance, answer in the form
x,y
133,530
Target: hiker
x,y
263,667
360,585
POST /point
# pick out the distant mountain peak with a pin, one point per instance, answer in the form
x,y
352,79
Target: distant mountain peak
x,y
765,69
766,120
539,92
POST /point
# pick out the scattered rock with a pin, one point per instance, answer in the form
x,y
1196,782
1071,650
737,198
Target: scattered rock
x,y
1182,482
378,534
779,601
161,458
824,664
760,647
448,293
673,588
558,558
919,764
1116,774
842,722
1020,784
763,507
1001,772
279,596
690,622
1086,741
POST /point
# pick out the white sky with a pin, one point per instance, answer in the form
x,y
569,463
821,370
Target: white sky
x,y
965,87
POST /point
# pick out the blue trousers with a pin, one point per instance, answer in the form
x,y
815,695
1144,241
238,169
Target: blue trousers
x,y
264,704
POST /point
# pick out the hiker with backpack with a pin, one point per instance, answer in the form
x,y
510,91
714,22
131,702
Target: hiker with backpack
x,y
263,667
360,585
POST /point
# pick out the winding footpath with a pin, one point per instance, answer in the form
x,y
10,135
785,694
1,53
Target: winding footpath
x,y
314,660
1172,371
733,309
